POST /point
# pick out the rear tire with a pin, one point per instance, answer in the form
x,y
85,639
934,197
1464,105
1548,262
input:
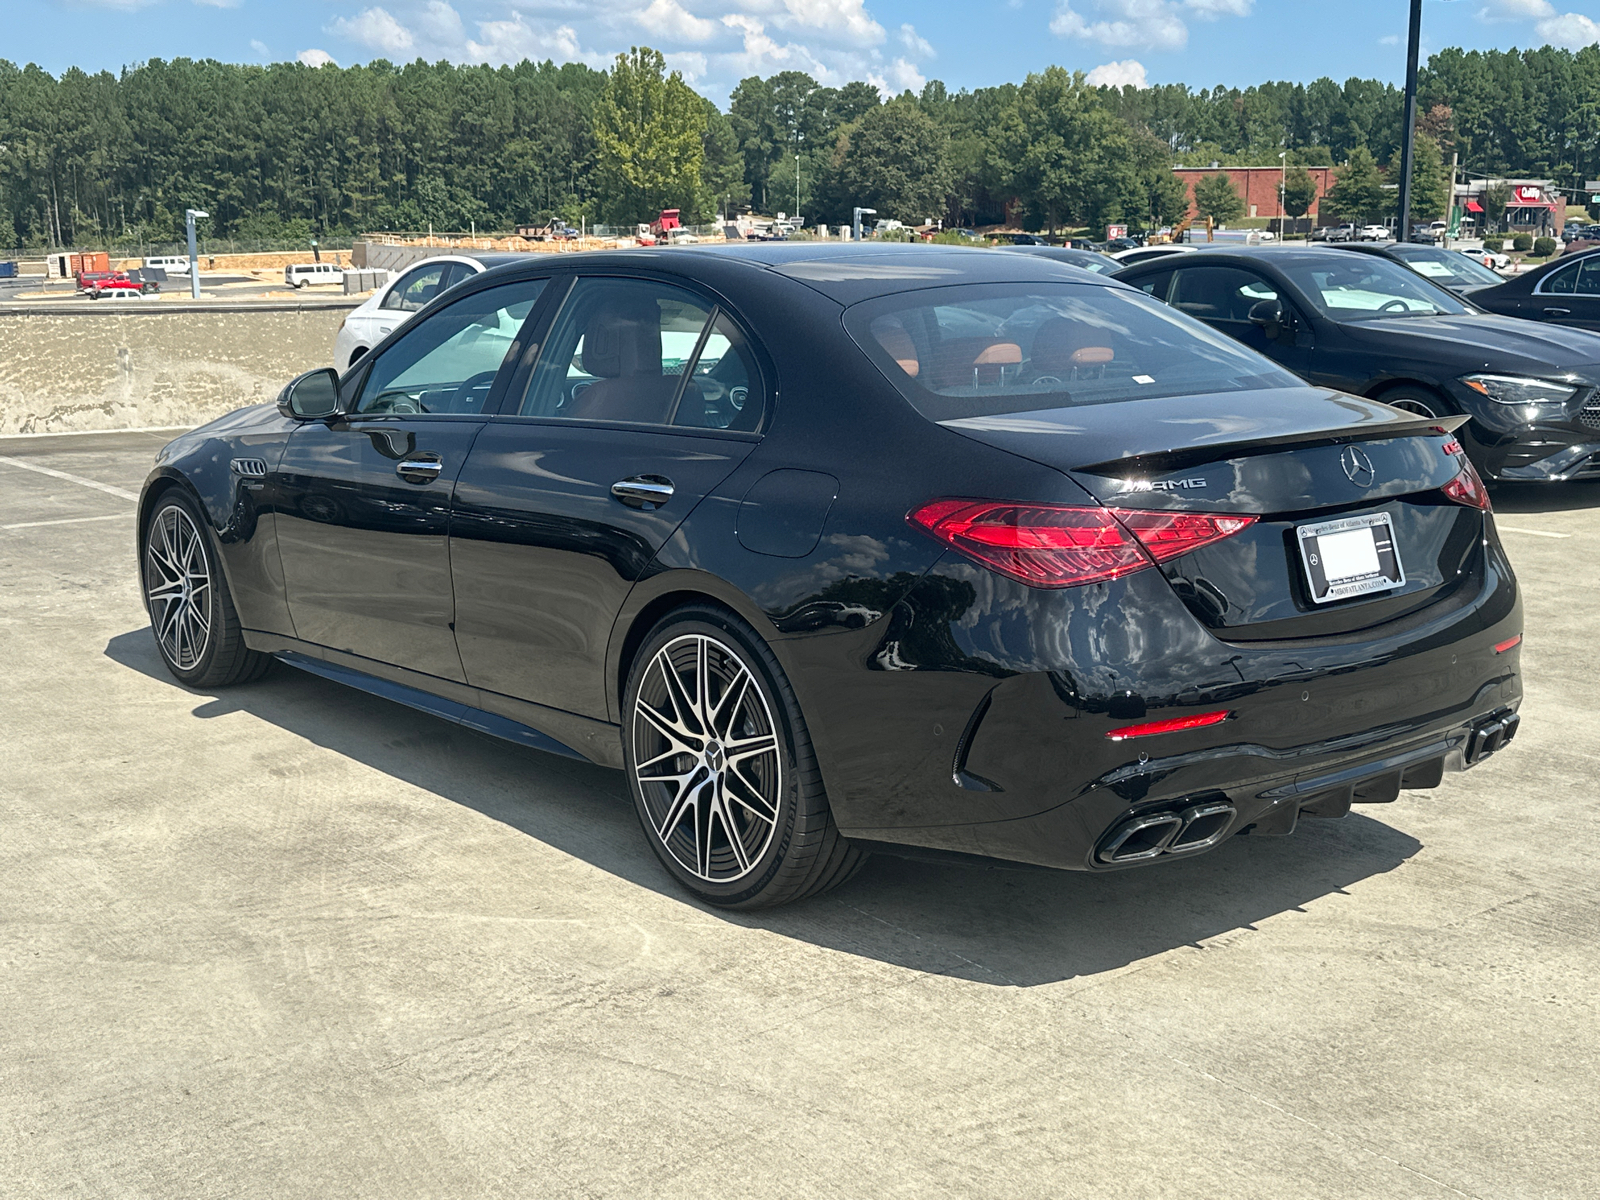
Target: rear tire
x,y
721,767
198,634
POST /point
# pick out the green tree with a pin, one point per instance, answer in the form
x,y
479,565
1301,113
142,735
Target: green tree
x,y
648,131
1358,195
1217,198
1063,153
895,159
722,171
1299,192
1496,197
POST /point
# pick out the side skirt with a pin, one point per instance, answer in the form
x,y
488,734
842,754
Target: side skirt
x,y
487,712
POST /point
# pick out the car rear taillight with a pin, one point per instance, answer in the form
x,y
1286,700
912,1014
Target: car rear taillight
x,y
1058,545
1167,534
1041,545
1467,488
1170,725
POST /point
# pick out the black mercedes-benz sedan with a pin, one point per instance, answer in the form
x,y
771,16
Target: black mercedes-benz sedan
x,y
841,549
1368,326
1564,291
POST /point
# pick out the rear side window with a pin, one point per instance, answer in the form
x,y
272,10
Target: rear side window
x,y
1580,279
1219,293
991,349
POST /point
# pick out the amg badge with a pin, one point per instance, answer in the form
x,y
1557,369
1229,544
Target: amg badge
x,y
1161,485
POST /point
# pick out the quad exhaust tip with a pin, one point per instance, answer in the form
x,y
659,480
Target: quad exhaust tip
x,y
1187,830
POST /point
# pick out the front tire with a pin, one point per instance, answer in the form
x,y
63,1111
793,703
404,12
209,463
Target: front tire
x,y
721,767
1414,399
198,634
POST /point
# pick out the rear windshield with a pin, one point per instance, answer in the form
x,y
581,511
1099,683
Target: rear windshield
x,y
992,349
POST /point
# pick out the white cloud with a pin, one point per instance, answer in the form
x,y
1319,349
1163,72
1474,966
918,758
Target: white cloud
x,y
1516,10
846,18
260,48
1211,10
691,64
441,24
1127,73
316,58
668,18
375,29
916,43
1572,30
1155,24
903,75
1392,39
514,40
218,3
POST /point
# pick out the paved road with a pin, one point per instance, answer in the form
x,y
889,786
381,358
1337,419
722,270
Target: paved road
x,y
292,941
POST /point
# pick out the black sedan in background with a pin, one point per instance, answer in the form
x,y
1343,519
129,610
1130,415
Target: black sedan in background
x,y
1564,291
837,548
1366,325
1448,268
1089,260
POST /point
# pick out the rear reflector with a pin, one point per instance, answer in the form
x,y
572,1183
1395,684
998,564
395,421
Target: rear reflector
x,y
1511,643
1042,545
1467,488
1168,534
1171,725
1058,545
1452,447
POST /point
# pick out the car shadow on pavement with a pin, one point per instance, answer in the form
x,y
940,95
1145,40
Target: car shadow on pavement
x,y
1572,496
1000,925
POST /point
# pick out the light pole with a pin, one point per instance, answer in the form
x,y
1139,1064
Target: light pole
x,y
190,216
797,190
855,222
1408,130
1283,188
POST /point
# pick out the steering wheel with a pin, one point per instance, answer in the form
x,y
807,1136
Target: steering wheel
x,y
462,399
1394,306
393,402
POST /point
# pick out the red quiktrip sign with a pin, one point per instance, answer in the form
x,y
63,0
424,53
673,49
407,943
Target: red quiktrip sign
x,y
1528,194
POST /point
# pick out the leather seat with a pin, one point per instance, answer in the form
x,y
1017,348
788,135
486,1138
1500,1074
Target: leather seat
x,y
622,349
1062,347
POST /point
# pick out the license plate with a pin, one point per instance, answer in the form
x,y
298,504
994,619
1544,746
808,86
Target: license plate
x,y
1350,557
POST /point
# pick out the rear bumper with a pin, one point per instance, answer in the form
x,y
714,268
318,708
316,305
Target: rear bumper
x,y
1010,758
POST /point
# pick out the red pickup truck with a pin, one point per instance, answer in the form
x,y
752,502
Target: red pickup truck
x,y
118,283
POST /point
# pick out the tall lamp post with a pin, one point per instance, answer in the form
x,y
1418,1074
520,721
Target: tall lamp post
x,y
855,222
797,189
1408,131
190,216
1283,193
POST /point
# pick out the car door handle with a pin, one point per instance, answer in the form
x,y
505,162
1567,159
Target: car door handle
x,y
643,491
1558,312
419,470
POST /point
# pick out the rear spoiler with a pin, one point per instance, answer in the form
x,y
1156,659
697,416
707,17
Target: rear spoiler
x,y
1162,461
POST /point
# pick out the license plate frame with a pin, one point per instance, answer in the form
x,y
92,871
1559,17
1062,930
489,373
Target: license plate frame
x,y
1340,567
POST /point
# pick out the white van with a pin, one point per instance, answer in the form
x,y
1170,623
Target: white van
x,y
299,275
172,264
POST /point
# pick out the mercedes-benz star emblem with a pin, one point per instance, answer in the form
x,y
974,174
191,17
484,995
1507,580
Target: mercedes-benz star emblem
x,y
1357,466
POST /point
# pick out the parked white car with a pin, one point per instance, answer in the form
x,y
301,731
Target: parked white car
x,y
172,264
393,304
1375,233
1489,258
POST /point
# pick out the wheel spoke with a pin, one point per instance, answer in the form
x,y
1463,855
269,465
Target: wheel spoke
x,y
728,707
682,706
738,752
683,802
735,787
731,832
702,684
675,734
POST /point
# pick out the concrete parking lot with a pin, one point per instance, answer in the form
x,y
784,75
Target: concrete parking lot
x,y
292,941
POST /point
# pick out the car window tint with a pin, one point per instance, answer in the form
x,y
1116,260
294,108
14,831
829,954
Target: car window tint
x,y
725,385
415,290
1563,282
447,361
993,349
1219,293
620,350
1155,284
1589,277
1447,268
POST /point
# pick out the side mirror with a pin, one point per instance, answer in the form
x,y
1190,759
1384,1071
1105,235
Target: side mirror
x,y
313,396
1270,315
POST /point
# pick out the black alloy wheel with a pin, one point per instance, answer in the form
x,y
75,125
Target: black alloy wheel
x,y
723,775
197,631
1414,399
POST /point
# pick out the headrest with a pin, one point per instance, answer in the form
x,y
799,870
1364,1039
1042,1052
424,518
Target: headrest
x,y
623,338
1060,345
897,344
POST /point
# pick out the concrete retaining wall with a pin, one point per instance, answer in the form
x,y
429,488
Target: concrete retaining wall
x,y
113,370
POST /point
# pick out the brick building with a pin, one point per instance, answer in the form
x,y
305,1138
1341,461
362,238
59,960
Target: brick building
x,y
1258,186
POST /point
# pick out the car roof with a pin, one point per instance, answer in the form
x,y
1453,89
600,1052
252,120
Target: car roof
x,y
844,272
1278,253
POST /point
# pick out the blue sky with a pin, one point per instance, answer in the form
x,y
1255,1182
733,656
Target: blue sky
x,y
894,43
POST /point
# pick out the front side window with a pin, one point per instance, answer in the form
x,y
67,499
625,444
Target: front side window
x,y
643,352
1365,286
447,361
993,349
1218,293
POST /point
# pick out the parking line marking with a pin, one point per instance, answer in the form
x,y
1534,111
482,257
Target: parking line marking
x,y
120,493
66,521
1506,528
92,432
